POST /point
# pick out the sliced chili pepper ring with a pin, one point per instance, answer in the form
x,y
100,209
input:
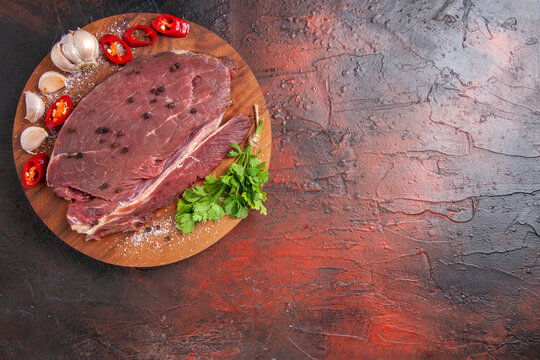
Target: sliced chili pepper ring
x,y
34,169
110,45
58,112
171,26
130,38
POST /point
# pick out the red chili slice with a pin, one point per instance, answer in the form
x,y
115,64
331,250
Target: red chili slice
x,y
132,41
34,169
171,26
110,43
58,112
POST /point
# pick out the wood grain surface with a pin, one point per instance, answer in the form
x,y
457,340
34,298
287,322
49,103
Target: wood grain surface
x,y
157,242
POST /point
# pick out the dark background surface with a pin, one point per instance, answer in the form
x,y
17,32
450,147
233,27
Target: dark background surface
x,y
403,204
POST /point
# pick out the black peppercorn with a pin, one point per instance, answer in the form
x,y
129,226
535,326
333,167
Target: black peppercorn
x,y
173,68
161,89
177,64
170,105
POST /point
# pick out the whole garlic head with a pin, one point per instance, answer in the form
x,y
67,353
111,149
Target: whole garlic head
x,y
77,50
32,138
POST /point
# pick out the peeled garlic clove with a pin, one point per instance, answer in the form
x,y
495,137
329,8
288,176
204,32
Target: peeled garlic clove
x,y
51,81
32,138
87,44
35,108
60,60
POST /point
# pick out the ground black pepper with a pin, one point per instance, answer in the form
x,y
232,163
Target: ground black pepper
x,y
131,99
79,155
103,186
146,115
125,149
193,110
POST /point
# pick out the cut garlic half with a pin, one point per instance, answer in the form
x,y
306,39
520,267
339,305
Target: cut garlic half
x,y
51,81
32,138
35,108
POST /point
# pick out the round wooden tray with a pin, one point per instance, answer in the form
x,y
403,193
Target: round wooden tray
x,y
164,244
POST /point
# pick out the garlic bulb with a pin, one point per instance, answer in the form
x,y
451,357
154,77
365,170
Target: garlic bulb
x,y
35,108
32,138
76,50
51,81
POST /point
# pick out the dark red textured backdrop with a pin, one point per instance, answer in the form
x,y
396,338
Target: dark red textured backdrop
x,y
403,204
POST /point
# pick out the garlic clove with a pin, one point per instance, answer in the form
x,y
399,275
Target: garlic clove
x,y
60,60
70,48
35,108
87,44
32,138
51,81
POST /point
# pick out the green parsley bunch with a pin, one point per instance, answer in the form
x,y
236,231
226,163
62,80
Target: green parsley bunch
x,y
233,193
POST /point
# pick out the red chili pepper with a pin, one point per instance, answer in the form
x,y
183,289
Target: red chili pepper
x,y
58,112
132,41
110,46
171,26
34,169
